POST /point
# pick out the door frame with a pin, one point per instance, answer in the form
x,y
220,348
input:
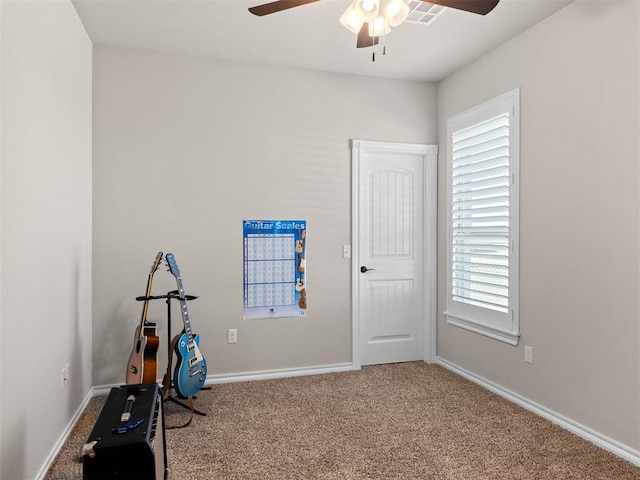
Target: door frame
x,y
429,234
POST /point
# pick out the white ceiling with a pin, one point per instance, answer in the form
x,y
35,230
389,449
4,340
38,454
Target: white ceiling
x,y
309,36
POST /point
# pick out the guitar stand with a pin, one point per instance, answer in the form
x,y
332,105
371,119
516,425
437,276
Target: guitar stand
x,y
174,294
170,398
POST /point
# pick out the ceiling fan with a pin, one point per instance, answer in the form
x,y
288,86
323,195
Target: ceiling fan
x,y
371,19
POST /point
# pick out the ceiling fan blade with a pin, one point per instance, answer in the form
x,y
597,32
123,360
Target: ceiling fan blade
x,y
277,6
364,40
481,7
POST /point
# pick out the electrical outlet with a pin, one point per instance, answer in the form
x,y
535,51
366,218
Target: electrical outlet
x,y
346,251
64,377
528,354
232,335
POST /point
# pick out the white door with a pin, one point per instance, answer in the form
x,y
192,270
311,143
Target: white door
x,y
390,252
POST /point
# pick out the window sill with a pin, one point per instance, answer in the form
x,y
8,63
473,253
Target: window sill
x,y
506,336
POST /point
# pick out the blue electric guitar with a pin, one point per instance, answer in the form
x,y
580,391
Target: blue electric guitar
x,y
191,367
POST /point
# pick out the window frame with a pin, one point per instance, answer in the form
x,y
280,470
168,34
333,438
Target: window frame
x,y
500,326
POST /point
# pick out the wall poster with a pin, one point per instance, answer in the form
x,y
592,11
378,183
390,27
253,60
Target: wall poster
x,y
274,268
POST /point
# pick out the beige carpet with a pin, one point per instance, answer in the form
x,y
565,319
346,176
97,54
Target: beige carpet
x,y
400,421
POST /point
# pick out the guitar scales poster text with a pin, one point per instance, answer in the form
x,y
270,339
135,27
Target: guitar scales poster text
x,y
274,268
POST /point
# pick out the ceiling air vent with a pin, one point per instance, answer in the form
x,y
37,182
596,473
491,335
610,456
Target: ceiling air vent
x,y
423,12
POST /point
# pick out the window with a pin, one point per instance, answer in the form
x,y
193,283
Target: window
x,y
482,260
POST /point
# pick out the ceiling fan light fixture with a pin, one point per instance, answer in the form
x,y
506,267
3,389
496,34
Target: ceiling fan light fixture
x,y
395,11
367,10
364,39
379,26
351,20
372,19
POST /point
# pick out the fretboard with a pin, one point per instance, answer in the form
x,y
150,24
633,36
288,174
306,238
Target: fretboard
x,y
185,312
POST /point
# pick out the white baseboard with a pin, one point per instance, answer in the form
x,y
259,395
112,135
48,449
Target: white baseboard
x,y
44,468
283,373
602,441
255,375
106,389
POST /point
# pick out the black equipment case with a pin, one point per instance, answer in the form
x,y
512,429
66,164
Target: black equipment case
x,y
129,446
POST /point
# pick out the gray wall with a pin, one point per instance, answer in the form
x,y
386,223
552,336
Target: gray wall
x,y
45,315
184,150
579,75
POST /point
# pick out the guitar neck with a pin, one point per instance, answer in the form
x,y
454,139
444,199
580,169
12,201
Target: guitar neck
x,y
145,305
185,311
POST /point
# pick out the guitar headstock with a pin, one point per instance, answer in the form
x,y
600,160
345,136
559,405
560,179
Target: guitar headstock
x,y
156,263
173,266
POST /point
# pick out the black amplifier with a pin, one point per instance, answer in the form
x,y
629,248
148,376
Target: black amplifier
x,y
127,441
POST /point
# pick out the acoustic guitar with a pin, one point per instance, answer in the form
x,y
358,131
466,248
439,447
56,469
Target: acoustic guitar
x,y
191,368
143,361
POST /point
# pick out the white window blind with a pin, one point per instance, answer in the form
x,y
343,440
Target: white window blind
x,y
483,194
480,215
